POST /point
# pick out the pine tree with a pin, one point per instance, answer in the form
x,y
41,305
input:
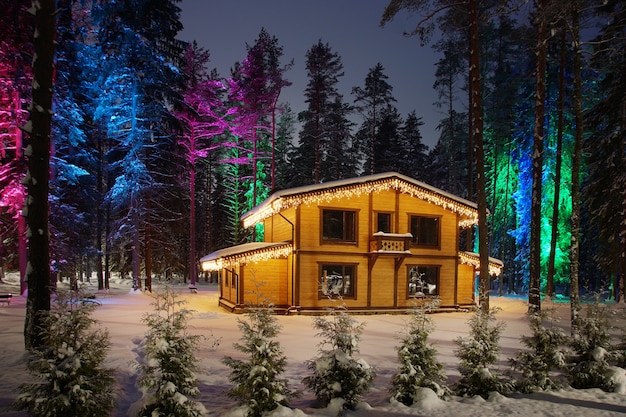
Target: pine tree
x,y
73,382
167,373
478,352
592,346
419,367
544,354
338,377
257,379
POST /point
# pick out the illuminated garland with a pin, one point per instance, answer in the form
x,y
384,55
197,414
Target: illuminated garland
x,y
231,261
469,215
472,259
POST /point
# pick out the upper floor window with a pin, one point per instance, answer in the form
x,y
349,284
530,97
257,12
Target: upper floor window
x,y
338,225
425,230
383,222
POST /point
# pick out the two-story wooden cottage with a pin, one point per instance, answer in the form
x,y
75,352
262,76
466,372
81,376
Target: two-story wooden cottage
x,y
380,242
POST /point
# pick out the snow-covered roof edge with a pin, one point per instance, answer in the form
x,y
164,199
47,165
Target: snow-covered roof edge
x,y
287,198
473,259
244,253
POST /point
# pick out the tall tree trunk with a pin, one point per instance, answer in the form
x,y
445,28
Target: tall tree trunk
x,y
192,212
476,115
22,251
557,177
38,270
135,245
576,161
534,290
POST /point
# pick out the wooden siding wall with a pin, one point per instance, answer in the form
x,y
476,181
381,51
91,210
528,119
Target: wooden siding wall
x,y
466,285
266,284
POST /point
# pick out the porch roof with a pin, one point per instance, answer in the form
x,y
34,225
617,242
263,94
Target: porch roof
x,y
473,259
244,253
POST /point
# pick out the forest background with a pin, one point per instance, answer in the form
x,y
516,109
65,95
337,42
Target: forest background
x,y
154,157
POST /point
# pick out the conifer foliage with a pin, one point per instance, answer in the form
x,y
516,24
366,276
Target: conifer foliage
x,y
167,373
72,381
478,352
257,382
337,375
592,345
544,355
419,367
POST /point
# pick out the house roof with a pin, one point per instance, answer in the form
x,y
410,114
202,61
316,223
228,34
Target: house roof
x,y
325,192
247,252
473,259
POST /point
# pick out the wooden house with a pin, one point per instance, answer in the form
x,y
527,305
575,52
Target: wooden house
x,y
381,243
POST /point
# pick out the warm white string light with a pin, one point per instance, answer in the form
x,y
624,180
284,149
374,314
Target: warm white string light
x,y
469,214
472,259
253,256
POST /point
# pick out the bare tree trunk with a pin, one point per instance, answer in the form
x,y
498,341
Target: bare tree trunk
x,y
557,178
476,115
534,290
38,270
576,161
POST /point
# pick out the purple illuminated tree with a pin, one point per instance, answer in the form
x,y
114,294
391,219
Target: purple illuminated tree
x,y
203,121
15,82
254,89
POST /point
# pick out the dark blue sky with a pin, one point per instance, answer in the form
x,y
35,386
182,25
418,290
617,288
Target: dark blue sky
x,y
350,27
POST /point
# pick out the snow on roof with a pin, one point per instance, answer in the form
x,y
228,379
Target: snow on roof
x,y
324,192
473,259
244,253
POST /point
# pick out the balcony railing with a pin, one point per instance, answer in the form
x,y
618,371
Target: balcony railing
x,y
390,242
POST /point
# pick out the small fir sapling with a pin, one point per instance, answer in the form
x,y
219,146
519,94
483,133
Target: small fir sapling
x,y
72,381
419,367
593,351
544,354
167,374
338,376
478,352
257,382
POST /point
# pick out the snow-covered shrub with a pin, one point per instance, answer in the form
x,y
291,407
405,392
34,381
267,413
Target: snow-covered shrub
x,y
592,346
478,352
337,375
72,381
419,367
167,374
544,355
257,382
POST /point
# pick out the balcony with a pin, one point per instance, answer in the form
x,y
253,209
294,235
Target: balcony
x,y
396,245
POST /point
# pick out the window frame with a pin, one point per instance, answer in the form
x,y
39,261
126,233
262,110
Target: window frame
x,y
415,239
344,239
423,294
326,265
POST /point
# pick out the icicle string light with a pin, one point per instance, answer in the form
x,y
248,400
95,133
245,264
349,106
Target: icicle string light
x,y
247,257
468,214
472,259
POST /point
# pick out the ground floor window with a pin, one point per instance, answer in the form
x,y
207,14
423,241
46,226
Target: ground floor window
x,y
423,280
337,280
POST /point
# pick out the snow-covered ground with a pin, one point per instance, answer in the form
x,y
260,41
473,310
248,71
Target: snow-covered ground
x,y
121,313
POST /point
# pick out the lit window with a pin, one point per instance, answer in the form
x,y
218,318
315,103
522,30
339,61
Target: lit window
x,y
423,281
425,231
337,280
338,226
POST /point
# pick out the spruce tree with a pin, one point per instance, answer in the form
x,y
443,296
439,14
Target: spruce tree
x,y
257,379
167,373
544,354
337,375
478,352
592,345
419,367
72,381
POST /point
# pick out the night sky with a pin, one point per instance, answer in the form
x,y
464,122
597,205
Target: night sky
x,y
350,27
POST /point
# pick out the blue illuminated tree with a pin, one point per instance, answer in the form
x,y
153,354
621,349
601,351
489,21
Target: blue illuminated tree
x,y
140,83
